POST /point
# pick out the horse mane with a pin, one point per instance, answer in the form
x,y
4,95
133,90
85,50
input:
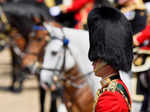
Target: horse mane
x,y
20,15
27,9
22,24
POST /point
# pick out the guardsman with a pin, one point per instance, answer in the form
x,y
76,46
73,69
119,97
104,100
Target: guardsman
x,y
110,35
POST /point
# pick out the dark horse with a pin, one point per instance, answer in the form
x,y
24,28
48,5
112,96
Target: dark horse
x,y
21,17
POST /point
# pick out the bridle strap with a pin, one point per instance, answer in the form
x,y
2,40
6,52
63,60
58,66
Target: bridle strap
x,y
62,69
64,59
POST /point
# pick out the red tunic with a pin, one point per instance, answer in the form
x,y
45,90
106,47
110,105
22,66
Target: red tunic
x,y
145,35
110,101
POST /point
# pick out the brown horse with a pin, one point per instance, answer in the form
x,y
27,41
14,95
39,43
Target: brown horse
x,y
35,48
34,52
19,36
17,45
34,55
17,42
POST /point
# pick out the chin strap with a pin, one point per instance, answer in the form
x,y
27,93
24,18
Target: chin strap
x,y
99,66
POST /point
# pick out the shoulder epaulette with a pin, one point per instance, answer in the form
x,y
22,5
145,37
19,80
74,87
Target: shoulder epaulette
x,y
115,86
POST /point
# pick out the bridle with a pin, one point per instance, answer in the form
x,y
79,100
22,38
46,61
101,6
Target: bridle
x,y
62,69
65,47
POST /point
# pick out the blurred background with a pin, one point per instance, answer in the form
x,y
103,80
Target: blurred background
x,y
23,38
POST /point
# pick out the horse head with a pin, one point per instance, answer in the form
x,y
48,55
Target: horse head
x,y
34,50
63,57
57,59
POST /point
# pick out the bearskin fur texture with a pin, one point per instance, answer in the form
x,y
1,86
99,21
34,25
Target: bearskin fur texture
x,y
110,36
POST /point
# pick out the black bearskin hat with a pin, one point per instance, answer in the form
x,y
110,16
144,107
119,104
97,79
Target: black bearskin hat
x,y
110,36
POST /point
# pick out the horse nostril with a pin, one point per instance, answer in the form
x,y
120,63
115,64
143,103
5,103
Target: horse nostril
x,y
27,69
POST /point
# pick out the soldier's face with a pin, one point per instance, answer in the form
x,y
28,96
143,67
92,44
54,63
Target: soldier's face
x,y
102,69
99,67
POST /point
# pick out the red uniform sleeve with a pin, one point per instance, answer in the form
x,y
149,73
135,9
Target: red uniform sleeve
x,y
145,34
77,4
111,102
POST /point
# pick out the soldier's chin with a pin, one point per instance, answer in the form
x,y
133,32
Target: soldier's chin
x,y
44,86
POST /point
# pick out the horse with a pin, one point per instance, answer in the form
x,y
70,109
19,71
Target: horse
x,y
35,49
16,42
33,57
33,52
66,54
20,35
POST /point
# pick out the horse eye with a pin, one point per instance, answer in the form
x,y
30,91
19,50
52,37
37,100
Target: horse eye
x,y
54,53
39,39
